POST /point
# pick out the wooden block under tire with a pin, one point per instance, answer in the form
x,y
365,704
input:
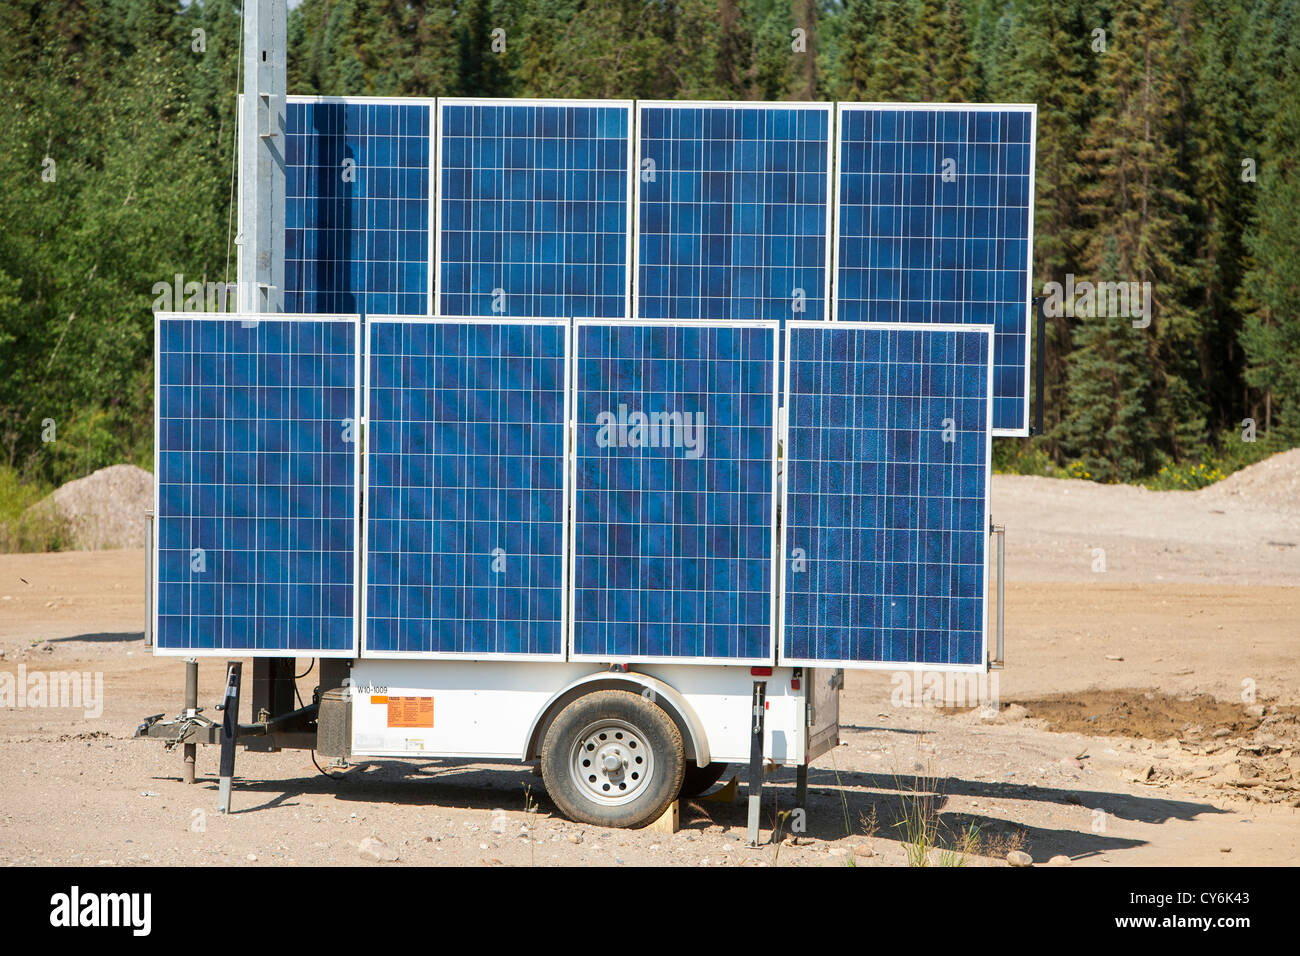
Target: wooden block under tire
x,y
671,820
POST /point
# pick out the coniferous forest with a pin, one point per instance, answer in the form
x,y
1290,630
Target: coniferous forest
x,y
1168,153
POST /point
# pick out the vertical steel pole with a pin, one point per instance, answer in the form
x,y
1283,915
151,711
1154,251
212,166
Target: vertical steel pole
x,y
998,658
191,708
148,578
229,732
755,787
1040,379
261,157
1002,595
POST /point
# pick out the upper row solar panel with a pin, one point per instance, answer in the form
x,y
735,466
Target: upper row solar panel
x,y
750,211
934,223
733,210
357,216
534,207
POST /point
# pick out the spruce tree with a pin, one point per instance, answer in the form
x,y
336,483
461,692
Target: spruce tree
x,y
1270,336
1140,220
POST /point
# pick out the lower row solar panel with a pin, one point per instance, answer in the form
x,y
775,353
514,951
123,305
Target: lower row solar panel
x,y
886,494
464,553
674,491
257,478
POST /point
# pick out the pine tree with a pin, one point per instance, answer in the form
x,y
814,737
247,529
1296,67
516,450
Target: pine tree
x,y
1215,152
1140,213
1270,336
485,66
946,71
1055,68
851,57
878,60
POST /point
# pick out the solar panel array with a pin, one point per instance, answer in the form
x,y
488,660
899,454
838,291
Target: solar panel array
x,y
256,476
733,210
886,485
465,486
913,228
534,207
357,198
934,224
673,505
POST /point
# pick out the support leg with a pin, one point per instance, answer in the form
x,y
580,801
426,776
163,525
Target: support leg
x,y
229,731
191,708
755,788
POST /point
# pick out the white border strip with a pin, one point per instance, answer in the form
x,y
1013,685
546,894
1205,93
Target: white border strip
x,y
364,577
982,667
767,661
159,318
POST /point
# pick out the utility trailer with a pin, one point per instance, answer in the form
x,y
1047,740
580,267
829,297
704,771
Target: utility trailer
x,y
597,433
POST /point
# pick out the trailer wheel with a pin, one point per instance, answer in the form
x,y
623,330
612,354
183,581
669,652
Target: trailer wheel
x,y
697,779
614,759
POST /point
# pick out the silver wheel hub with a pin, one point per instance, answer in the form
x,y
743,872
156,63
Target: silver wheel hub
x,y
611,762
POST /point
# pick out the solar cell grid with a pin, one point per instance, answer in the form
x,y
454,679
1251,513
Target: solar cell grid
x,y
256,477
886,507
534,207
464,550
733,216
935,224
357,207
674,487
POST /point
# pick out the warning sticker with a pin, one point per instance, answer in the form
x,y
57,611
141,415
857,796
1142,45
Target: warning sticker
x,y
410,712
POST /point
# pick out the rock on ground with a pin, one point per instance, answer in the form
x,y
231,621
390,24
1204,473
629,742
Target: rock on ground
x,y
372,848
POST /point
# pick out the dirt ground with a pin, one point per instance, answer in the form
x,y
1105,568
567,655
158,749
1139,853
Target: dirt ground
x,y
1147,715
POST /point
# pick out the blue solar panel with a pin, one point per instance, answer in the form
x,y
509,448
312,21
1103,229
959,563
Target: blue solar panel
x,y
674,486
534,207
465,498
357,188
733,210
256,472
934,224
886,508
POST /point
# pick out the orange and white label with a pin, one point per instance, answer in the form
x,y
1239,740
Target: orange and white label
x,y
410,712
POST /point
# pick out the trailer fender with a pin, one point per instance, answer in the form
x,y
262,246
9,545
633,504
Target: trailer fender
x,y
694,738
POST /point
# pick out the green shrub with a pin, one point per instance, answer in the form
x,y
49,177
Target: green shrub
x,y
21,527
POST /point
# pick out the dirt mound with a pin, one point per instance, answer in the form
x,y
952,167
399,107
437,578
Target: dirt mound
x,y
1147,714
1250,751
104,510
1273,482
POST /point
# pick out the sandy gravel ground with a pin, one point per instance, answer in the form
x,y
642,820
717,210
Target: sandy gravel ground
x,y
1122,735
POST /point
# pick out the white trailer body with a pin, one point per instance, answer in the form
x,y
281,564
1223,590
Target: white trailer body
x,y
500,709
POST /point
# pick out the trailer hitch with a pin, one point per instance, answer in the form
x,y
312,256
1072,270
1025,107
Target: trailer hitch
x,y
176,731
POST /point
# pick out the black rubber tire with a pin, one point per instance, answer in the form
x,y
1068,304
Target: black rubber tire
x,y
697,779
659,733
